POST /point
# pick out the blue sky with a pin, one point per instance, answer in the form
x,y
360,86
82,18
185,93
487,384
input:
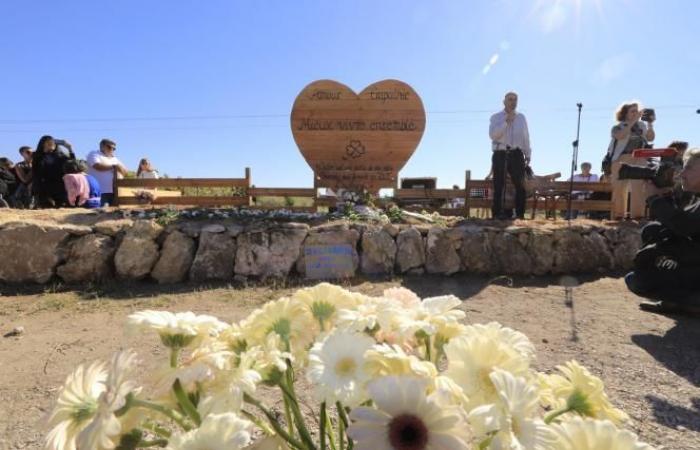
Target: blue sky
x,y
205,88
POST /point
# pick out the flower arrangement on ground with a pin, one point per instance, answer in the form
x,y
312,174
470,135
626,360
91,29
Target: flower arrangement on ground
x,y
393,372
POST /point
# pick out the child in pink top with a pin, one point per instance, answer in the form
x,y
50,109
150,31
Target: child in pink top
x,y
76,184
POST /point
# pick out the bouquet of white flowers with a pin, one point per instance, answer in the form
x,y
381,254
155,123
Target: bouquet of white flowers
x,y
388,373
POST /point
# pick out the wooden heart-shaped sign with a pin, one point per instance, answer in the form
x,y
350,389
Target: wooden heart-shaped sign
x,y
356,141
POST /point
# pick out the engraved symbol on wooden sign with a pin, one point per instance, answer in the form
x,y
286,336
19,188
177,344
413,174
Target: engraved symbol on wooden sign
x,y
354,149
357,140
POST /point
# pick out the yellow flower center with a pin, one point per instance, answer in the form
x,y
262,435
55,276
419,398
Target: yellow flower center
x,y
345,367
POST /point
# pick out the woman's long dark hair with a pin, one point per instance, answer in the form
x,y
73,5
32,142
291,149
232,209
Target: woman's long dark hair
x,y
42,141
38,157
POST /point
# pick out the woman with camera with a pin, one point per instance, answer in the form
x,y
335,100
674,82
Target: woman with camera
x,y
630,132
47,172
634,130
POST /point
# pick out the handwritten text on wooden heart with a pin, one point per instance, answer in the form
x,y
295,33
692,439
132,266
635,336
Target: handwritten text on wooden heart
x,y
357,141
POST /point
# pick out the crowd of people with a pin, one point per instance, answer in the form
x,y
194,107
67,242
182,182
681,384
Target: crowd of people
x,y
51,176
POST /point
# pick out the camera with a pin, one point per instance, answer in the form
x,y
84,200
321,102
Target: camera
x,y
648,115
660,173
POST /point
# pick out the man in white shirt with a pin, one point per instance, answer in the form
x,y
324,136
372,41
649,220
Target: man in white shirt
x,y
510,143
101,165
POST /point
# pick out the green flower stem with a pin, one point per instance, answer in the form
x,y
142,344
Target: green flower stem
x,y
341,435
486,442
553,415
273,421
174,353
290,380
428,349
185,403
170,413
322,426
153,443
343,418
262,425
298,417
288,416
331,435
157,429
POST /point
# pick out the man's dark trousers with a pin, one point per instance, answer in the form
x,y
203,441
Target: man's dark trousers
x,y
514,162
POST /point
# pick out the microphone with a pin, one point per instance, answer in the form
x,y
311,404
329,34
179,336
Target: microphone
x,y
697,111
580,105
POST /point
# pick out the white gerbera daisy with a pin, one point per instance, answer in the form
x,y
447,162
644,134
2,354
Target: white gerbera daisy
x,y
405,419
226,390
176,330
513,417
472,358
363,317
217,432
383,360
104,428
580,391
289,318
76,405
336,368
587,434
428,317
324,300
496,331
406,298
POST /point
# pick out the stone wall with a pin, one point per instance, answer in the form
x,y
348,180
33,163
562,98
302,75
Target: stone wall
x,y
136,250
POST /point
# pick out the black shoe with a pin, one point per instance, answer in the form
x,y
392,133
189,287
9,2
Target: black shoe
x,y
668,307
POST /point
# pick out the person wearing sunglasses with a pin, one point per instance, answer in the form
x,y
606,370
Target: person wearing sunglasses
x,y
101,165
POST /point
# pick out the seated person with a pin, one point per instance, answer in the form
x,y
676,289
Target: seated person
x,y
584,177
8,182
23,172
76,184
667,267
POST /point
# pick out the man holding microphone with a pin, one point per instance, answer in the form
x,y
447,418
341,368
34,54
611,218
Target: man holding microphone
x,y
510,142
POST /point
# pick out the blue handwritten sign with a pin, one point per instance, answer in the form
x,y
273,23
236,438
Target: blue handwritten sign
x,y
328,261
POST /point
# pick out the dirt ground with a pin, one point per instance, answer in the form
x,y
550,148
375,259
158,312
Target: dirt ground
x,y
649,363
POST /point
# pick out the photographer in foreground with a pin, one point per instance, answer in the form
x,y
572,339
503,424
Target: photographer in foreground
x,y
667,267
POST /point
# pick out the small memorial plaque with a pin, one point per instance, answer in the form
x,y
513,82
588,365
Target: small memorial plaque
x,y
325,262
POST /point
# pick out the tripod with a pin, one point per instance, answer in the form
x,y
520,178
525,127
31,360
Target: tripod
x,y
574,161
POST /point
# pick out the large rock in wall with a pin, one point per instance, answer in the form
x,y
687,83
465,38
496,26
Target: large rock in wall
x,y
624,243
476,253
269,252
138,251
89,259
175,258
378,252
510,252
30,252
580,250
410,252
214,258
441,249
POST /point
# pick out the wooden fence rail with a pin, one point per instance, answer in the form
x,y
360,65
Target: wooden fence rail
x,y
476,194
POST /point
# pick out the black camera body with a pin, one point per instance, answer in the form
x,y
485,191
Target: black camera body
x,y
648,115
660,173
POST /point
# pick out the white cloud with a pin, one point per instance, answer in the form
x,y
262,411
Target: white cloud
x,y
612,68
